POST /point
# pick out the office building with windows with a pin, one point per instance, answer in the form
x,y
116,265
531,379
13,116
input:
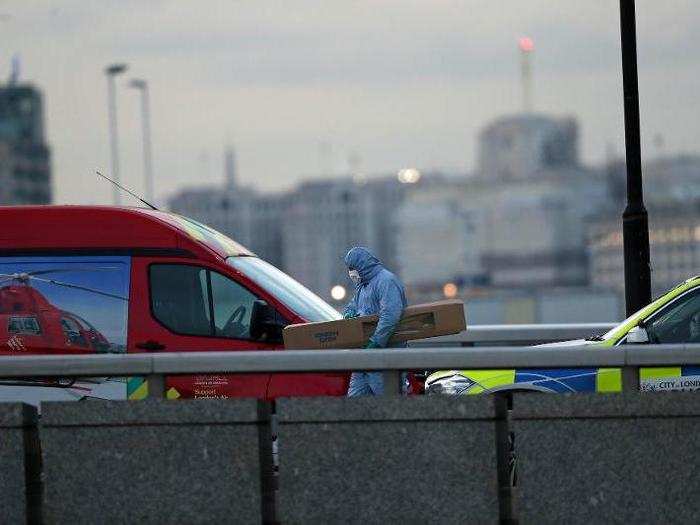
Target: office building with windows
x,y
25,169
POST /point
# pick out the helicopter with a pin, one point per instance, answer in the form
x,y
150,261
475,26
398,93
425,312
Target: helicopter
x,y
31,324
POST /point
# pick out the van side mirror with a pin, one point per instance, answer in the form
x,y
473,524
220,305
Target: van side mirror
x,y
265,323
638,335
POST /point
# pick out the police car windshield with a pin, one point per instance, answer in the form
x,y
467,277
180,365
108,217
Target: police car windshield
x,y
297,297
638,315
613,332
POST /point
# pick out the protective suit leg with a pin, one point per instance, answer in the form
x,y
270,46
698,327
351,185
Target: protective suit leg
x,y
366,384
375,380
358,385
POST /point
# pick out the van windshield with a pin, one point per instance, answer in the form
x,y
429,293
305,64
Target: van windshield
x,y
297,297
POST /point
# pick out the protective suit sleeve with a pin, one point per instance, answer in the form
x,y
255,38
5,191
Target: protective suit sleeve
x,y
390,310
350,309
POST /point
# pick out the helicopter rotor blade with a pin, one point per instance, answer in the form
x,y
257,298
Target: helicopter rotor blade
x,y
77,287
24,276
67,270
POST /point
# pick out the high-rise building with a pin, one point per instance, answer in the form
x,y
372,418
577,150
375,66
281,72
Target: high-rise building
x,y
251,219
25,171
325,218
536,221
674,243
229,212
672,197
536,230
672,179
268,213
518,223
440,235
518,147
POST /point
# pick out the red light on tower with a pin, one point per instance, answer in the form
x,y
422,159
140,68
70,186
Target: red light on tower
x,y
526,44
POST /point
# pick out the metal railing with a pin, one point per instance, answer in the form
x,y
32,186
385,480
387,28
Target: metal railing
x,y
158,365
479,335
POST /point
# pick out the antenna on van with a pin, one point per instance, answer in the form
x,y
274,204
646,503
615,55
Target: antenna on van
x,y
128,191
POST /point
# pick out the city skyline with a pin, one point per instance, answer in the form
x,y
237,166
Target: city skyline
x,y
409,88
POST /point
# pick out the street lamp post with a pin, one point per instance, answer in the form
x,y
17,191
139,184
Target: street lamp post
x,y
635,224
142,86
111,72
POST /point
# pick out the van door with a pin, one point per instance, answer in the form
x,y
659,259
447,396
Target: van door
x,y
186,306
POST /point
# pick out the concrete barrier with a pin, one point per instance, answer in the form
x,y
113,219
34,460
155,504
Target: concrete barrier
x,y
614,458
152,461
19,467
581,459
381,460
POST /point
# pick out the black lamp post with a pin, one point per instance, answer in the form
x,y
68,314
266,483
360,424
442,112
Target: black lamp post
x,y
635,225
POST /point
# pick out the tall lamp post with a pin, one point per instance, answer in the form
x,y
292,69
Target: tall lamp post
x,y
142,86
635,224
112,71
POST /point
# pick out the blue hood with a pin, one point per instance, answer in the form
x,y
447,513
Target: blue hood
x,y
362,260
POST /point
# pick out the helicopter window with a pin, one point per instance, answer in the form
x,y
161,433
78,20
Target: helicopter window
x,y
71,329
23,325
14,325
69,325
183,298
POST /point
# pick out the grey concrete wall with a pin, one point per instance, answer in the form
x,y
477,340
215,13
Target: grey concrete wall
x,y
151,462
632,458
17,452
387,460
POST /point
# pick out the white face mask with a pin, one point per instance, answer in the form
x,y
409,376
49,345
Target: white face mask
x,y
355,276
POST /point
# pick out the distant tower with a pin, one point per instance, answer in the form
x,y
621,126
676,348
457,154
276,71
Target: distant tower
x,y
14,71
527,47
230,168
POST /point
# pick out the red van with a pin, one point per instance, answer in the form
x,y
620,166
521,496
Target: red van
x,y
91,279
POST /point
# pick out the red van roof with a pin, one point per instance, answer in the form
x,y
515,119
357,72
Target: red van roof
x,y
29,228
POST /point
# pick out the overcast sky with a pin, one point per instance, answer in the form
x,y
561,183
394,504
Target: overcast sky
x,y
300,86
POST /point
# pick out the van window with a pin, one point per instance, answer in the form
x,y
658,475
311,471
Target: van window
x,y
233,305
191,300
180,298
297,297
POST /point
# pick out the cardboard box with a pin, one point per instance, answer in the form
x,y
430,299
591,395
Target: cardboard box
x,y
417,322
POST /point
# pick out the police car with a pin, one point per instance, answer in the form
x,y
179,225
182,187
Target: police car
x,y
672,318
